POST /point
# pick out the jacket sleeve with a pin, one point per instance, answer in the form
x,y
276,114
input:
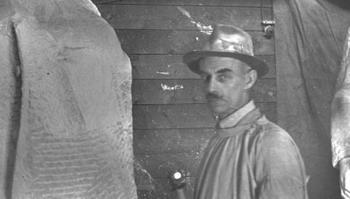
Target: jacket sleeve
x,y
280,169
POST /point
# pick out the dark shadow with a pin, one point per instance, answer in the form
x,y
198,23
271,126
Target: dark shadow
x,y
14,125
343,4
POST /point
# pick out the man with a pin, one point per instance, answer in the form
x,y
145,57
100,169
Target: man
x,y
249,157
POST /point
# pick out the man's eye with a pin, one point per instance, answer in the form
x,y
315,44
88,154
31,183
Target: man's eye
x,y
222,78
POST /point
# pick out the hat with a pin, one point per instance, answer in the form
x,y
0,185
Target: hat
x,y
227,41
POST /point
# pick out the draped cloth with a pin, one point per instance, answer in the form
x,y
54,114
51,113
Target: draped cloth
x,y
65,104
309,38
340,126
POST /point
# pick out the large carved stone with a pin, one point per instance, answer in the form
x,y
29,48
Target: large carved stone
x,y
75,128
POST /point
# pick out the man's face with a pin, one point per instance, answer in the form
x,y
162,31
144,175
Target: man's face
x,y
226,82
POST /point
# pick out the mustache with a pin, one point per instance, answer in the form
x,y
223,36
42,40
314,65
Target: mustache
x,y
213,96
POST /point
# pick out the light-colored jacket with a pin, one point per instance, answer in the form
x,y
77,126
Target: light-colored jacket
x,y
250,157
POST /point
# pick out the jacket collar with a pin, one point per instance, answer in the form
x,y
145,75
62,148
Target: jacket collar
x,y
233,119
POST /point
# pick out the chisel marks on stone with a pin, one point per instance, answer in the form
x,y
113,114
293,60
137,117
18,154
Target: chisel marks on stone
x,y
69,167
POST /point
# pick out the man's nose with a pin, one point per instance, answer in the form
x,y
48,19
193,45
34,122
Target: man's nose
x,y
211,86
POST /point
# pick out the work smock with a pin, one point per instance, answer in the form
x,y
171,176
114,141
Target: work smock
x,y
250,157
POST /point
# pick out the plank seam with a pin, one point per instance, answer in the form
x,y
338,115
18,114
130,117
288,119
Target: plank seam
x,y
192,104
190,79
177,29
184,5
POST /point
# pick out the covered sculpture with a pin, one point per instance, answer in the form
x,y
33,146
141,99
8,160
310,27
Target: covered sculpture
x,y
340,125
65,102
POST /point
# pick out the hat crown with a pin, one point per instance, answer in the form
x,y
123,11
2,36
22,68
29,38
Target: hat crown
x,y
228,38
227,41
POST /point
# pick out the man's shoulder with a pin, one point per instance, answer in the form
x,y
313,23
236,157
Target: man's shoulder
x,y
278,159
274,136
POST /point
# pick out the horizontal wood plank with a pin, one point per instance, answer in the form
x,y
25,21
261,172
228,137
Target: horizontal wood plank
x,y
181,17
157,193
267,14
170,140
183,115
172,67
178,42
152,171
190,91
161,165
161,189
249,3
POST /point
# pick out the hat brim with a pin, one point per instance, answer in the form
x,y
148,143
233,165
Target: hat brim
x,y
192,60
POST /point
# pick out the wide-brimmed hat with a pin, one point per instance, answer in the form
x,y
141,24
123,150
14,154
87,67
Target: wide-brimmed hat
x,y
227,41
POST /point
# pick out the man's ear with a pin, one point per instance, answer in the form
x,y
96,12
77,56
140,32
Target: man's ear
x,y
251,77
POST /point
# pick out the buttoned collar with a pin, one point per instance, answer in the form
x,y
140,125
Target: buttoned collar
x,y
233,119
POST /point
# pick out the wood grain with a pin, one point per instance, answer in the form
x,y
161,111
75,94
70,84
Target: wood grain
x,y
179,42
183,116
170,140
190,91
172,67
160,165
238,3
161,189
181,17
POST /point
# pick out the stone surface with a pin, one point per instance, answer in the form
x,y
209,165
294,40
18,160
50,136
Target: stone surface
x,y
9,105
75,128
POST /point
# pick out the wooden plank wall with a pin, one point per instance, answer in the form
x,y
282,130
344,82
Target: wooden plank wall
x,y
171,120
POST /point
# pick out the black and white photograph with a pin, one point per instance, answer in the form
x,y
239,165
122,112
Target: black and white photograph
x,y
174,99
